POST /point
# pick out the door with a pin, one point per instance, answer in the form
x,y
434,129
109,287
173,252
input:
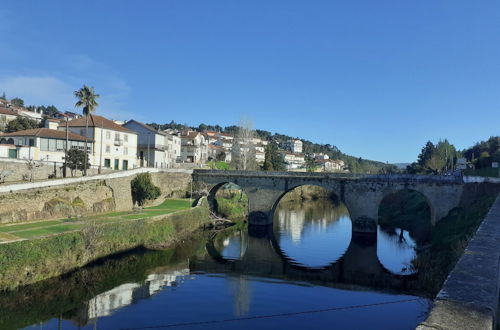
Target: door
x,y
125,165
117,164
12,153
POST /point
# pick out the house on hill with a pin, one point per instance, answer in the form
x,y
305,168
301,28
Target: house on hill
x,y
194,147
155,148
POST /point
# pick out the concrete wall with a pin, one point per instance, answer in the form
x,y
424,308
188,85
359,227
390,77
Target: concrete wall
x,y
85,195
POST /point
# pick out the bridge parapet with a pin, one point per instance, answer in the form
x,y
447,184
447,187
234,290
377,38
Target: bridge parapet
x,y
335,176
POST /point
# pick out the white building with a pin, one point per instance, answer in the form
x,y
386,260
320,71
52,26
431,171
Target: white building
x,y
173,148
110,145
194,148
6,116
293,161
40,144
294,146
331,165
155,148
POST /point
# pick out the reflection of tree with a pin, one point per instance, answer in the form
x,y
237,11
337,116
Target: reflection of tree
x,y
240,287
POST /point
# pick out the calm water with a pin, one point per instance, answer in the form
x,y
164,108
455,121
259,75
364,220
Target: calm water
x,y
307,271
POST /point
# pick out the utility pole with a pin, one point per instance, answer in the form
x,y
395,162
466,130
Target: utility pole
x,y
100,156
149,134
66,150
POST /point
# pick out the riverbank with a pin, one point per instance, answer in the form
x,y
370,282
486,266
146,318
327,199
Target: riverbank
x,y
30,261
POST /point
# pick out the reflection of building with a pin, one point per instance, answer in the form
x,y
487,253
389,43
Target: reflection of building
x,y
107,302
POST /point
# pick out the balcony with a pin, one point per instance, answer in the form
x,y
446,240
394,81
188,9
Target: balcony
x,y
118,142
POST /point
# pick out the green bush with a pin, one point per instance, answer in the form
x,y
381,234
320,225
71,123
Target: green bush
x,y
143,189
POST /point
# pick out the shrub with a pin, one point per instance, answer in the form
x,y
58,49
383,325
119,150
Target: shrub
x,y
143,189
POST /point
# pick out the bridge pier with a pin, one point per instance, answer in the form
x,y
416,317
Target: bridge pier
x,y
260,206
364,225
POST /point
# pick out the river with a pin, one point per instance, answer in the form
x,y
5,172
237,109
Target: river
x,y
306,271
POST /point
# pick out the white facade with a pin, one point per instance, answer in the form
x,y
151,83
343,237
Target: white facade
x,y
294,146
40,144
111,146
194,148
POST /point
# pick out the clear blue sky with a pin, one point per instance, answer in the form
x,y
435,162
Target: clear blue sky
x,y
375,78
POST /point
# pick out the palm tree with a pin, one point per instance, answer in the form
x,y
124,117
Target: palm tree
x,y
86,99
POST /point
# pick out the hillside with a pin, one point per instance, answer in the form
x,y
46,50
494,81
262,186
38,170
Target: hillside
x,y
354,164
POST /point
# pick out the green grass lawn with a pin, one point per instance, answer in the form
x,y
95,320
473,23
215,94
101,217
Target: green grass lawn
x,y
176,204
31,233
11,228
43,228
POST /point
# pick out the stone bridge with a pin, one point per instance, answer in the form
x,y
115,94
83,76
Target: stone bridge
x,y
362,194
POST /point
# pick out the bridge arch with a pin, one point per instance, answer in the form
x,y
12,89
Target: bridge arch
x,y
394,191
326,187
231,186
298,216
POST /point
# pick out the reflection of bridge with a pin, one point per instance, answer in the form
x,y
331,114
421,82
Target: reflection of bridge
x,y
362,194
359,266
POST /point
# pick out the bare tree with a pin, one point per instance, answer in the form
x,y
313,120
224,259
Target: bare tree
x,y
243,157
31,165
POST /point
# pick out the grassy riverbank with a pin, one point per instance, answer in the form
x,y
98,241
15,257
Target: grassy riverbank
x,y
30,261
43,228
449,239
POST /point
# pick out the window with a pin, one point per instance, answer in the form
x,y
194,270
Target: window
x,y
107,162
82,131
125,137
108,149
125,151
44,144
32,142
117,136
108,135
52,145
60,145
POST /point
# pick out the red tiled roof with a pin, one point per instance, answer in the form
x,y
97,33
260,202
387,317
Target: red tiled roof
x,y
5,111
99,121
45,132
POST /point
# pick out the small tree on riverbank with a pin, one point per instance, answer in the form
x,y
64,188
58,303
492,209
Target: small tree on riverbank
x,y
143,189
75,160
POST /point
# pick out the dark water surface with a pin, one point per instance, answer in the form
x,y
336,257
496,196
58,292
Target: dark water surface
x,y
307,271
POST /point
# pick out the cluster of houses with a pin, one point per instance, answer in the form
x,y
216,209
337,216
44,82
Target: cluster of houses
x,y
125,145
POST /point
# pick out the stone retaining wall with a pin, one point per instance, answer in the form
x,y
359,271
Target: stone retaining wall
x,y
83,196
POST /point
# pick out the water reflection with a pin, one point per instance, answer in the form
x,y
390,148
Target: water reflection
x,y
313,233
396,250
185,286
237,274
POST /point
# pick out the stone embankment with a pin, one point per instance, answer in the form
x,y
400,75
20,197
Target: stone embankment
x,y
470,294
83,196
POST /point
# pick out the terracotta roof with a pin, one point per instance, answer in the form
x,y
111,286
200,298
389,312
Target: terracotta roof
x,y
99,121
46,132
5,111
190,135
